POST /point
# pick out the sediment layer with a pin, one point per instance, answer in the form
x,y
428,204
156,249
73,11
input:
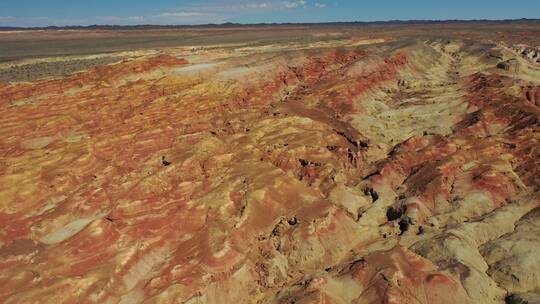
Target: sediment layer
x,y
397,171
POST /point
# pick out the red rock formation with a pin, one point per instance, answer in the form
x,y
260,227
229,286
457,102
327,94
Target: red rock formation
x,y
395,276
377,174
533,95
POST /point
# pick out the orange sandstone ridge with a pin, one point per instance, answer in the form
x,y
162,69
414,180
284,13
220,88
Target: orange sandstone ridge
x,y
393,172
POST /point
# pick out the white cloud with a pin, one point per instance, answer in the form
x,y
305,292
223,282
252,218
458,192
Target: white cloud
x,y
212,11
294,4
7,18
182,14
165,18
261,5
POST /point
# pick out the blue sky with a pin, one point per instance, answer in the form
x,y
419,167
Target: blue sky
x,y
126,12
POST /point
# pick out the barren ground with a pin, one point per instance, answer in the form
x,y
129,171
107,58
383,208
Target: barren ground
x,y
285,164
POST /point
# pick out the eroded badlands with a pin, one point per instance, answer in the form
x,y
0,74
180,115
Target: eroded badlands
x,y
350,171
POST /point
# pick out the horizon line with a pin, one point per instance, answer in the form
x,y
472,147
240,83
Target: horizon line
x,y
393,21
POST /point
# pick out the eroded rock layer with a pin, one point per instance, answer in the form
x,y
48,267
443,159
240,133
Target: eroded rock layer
x,y
357,171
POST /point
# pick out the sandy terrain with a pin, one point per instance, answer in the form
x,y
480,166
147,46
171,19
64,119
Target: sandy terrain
x,y
323,164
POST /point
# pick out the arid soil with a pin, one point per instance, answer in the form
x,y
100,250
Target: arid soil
x,y
38,70
344,168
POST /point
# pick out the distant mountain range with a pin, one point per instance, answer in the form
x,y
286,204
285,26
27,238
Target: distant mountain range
x,y
236,25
